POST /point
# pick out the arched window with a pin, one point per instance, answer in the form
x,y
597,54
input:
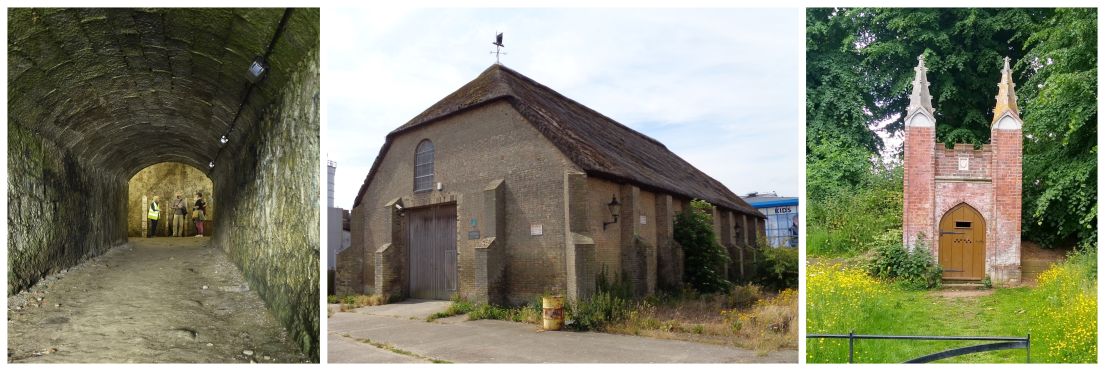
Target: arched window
x,y
424,166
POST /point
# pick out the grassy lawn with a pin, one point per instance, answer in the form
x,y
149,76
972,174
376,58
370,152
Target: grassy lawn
x,y
925,313
1060,315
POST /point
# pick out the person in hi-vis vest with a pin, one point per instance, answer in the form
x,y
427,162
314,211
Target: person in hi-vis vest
x,y
153,214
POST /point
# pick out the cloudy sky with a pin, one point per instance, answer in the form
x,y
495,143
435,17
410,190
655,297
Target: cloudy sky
x,y
720,88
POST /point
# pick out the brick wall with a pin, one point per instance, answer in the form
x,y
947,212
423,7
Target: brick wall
x,y
948,161
936,181
495,143
918,191
1007,181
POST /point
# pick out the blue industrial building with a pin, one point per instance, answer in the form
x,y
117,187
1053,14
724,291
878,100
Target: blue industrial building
x,y
782,217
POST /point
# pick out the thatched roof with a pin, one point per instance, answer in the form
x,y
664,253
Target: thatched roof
x,y
599,145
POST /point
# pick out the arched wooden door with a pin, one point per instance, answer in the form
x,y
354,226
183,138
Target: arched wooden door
x,y
963,244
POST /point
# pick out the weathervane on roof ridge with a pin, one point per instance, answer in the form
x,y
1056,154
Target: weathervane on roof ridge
x,y
498,45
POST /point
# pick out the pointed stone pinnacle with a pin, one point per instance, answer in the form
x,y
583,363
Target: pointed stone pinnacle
x,y
920,99
1007,95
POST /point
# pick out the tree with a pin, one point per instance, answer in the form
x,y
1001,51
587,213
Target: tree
x,y
703,257
859,69
1060,114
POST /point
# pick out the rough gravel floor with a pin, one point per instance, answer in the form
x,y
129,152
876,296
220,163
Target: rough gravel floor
x,y
160,300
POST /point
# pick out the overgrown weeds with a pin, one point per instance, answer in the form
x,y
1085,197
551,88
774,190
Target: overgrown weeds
x,y
350,302
911,269
746,317
458,306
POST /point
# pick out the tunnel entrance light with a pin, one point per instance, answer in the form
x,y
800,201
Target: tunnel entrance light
x,y
224,139
257,70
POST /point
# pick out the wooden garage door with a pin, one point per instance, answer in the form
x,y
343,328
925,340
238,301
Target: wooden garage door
x,y
963,244
432,238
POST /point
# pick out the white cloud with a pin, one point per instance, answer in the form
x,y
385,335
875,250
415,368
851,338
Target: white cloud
x,y
719,87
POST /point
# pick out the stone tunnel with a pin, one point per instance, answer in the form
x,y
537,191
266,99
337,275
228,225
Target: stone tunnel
x,y
97,95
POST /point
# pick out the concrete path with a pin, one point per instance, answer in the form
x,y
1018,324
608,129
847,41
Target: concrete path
x,y
150,301
410,309
390,328
346,350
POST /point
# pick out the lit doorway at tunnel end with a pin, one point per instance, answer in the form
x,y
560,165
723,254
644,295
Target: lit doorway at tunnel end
x,y
108,106
185,202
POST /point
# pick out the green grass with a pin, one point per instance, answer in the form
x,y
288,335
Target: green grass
x,y
1004,313
457,307
525,314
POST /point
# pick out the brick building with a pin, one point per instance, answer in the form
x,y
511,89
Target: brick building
x,y
965,203
505,190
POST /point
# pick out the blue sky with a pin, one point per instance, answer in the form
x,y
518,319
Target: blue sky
x,y
719,87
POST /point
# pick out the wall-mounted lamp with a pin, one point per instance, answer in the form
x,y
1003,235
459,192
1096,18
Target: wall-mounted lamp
x,y
224,139
211,165
257,70
615,208
398,207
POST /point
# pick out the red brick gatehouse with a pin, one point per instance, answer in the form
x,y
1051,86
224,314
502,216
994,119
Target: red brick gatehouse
x,y
965,203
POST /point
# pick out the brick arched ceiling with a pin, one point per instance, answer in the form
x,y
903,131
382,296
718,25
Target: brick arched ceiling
x,y
128,88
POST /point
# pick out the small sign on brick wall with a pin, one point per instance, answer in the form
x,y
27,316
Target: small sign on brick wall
x,y
536,230
964,163
644,219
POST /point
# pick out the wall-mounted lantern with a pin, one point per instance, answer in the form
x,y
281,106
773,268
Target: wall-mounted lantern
x,y
615,209
224,139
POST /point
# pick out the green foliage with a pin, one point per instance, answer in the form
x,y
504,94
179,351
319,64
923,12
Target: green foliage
x,y
1060,313
611,303
619,287
703,256
1060,114
859,69
487,311
779,268
459,306
913,269
833,166
332,299
1064,319
598,311
850,220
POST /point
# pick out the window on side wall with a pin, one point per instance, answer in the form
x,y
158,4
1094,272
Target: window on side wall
x,y
424,166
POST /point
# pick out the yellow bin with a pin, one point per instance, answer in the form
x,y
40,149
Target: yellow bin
x,y
552,311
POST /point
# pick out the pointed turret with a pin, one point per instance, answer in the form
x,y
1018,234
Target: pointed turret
x,y
1007,96
920,101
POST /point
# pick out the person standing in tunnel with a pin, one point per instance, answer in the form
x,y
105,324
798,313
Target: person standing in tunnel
x,y
180,211
153,214
199,213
